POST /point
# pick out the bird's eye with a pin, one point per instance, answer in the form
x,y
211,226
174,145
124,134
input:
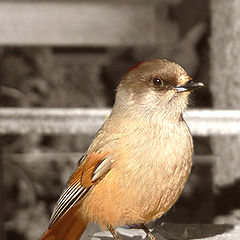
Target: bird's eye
x,y
158,82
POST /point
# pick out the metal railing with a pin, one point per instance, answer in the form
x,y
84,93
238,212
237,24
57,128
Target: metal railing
x,y
46,121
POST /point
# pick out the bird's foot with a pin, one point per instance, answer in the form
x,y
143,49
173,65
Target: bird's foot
x,y
115,236
150,235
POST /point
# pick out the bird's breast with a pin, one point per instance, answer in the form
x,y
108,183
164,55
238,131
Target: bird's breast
x,y
156,163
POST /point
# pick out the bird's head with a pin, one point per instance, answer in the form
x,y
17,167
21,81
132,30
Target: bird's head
x,y
156,85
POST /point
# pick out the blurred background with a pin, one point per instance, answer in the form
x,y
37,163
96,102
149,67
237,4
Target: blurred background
x,y
72,54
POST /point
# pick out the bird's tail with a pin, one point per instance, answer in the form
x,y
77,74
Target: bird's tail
x,y
69,227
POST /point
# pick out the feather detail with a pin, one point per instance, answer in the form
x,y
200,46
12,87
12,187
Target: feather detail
x,y
103,167
81,160
70,226
91,168
66,203
90,165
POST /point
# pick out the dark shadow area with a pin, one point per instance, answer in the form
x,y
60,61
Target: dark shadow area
x,y
202,145
2,197
227,198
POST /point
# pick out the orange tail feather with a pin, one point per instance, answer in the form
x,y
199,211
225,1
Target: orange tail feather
x,y
69,227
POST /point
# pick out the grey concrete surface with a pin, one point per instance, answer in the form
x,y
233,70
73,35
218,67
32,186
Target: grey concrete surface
x,y
175,232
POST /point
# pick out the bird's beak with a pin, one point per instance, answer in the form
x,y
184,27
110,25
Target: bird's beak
x,y
189,86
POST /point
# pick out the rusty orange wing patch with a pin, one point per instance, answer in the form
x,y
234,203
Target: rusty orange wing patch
x,y
91,167
91,170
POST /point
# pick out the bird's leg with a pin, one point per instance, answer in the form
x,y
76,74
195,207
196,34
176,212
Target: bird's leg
x,y
146,230
115,236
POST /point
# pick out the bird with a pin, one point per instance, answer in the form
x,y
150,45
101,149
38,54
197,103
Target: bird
x,y
140,159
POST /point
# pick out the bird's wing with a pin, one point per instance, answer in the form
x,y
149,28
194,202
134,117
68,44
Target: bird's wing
x,y
91,169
